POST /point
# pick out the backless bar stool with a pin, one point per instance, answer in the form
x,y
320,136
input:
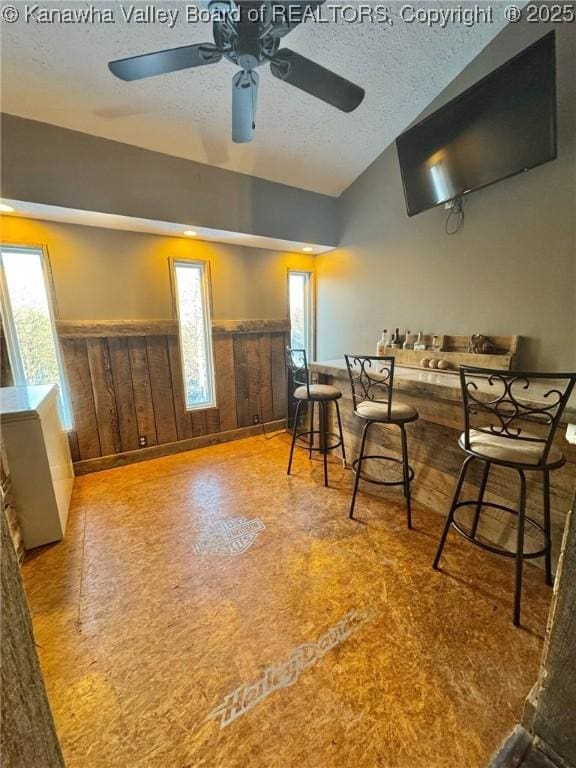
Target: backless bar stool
x,y
322,394
510,420
371,380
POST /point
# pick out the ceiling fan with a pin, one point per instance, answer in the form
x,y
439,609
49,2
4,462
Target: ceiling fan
x,y
248,34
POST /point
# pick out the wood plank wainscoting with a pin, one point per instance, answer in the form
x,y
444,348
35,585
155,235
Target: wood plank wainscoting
x,y
125,381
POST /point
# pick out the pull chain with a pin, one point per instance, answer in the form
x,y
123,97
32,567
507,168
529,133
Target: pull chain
x,y
253,85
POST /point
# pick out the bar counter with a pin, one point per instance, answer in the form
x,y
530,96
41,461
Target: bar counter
x,y
436,457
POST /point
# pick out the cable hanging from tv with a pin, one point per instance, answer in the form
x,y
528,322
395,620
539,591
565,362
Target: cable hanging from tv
x,y
455,220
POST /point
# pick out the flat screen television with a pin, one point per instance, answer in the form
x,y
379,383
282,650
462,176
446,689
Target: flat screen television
x,y
503,125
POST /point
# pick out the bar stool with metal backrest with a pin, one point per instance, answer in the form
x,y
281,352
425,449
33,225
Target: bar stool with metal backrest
x,y
372,380
509,424
305,392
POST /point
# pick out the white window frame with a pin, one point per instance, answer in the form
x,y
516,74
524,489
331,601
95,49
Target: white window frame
x,y
309,310
16,365
204,268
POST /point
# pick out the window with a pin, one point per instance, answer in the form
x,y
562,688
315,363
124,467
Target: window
x,y
301,304
193,308
29,323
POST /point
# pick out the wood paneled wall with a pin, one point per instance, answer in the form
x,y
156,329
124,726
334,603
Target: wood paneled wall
x,y
126,384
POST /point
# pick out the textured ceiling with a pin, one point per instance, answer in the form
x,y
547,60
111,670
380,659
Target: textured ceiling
x,y
57,73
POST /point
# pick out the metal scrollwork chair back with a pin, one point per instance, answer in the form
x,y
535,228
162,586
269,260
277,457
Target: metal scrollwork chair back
x,y
297,364
507,405
371,379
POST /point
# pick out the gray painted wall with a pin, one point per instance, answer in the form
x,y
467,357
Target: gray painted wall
x,y
43,163
512,269
108,274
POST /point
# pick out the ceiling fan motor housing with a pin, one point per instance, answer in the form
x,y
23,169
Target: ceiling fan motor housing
x,y
218,6
248,42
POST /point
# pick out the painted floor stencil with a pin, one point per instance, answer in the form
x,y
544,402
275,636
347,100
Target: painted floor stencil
x,y
286,673
229,537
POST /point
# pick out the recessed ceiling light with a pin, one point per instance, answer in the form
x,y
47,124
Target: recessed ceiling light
x,y
190,233
6,208
308,249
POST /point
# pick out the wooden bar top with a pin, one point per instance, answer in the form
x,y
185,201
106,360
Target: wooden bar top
x,y
441,385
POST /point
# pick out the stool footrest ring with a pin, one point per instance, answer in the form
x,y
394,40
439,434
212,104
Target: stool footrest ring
x,y
304,437
373,480
492,547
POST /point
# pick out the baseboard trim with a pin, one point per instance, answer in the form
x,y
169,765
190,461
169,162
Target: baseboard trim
x,y
167,449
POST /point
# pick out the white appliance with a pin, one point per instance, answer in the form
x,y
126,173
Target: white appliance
x,y
39,459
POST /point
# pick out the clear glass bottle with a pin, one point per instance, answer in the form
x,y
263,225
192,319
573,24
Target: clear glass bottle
x,y
407,343
382,344
419,343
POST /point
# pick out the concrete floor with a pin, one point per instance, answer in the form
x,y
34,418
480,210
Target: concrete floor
x,y
293,638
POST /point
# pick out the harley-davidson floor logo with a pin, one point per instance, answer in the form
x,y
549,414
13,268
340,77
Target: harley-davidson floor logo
x,y
287,672
229,537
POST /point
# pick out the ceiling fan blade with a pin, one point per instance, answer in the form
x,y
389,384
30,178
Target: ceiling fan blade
x,y
162,62
244,100
316,80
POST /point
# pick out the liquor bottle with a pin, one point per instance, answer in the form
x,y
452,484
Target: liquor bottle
x,y
396,343
382,344
419,343
407,343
